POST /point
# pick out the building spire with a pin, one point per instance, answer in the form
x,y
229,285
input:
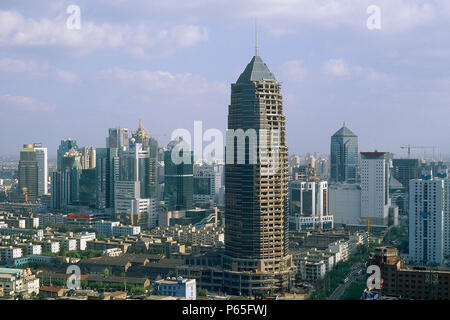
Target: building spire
x,y
140,123
256,37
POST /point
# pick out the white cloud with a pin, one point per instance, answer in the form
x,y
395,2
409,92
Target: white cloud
x,y
23,103
294,70
339,68
141,41
288,16
161,82
34,69
336,68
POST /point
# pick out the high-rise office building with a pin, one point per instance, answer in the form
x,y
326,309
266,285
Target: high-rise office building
x,y
178,178
344,156
107,172
375,199
64,147
87,159
42,162
130,208
136,165
308,200
28,173
405,170
87,188
256,197
118,138
207,182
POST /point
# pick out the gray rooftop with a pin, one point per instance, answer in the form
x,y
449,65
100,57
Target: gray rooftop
x,y
256,70
344,132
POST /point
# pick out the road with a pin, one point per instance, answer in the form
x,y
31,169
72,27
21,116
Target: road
x,y
336,295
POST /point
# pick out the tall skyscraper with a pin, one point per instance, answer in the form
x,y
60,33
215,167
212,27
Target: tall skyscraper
x,y
375,200
344,156
88,155
256,198
426,220
107,172
28,173
64,147
118,138
135,166
66,180
178,179
42,162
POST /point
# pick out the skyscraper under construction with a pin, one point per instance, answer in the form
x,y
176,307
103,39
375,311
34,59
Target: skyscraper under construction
x,y
256,193
256,188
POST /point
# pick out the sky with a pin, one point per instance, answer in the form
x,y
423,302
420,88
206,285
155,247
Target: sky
x,y
172,62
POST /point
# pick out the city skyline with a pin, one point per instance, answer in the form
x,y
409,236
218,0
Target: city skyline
x,y
46,87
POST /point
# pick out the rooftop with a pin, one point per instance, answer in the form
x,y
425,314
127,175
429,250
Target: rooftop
x,y
256,70
344,132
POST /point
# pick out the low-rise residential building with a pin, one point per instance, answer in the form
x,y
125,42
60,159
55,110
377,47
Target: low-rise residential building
x,y
10,253
176,287
18,281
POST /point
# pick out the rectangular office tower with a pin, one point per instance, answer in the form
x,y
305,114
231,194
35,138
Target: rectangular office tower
x,y
256,197
426,220
42,162
375,200
28,173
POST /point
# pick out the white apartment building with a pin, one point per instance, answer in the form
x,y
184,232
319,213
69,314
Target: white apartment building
x,y
105,227
53,246
10,253
83,239
126,230
340,249
426,220
69,244
34,249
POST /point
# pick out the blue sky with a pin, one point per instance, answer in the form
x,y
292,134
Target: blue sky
x,y
172,62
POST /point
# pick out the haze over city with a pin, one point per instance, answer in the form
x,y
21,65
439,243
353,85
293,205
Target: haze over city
x,y
172,62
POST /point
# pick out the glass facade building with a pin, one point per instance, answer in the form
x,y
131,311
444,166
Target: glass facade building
x,y
179,181
344,156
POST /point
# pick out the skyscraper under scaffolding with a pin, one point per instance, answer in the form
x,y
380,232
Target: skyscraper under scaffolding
x,y
256,197
256,194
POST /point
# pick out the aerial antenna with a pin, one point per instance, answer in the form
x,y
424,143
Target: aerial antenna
x,y
256,37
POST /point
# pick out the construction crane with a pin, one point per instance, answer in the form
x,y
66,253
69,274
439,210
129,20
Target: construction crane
x,y
409,147
368,227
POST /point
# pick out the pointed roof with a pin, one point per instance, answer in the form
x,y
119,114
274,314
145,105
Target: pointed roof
x,y
344,132
256,70
395,184
77,165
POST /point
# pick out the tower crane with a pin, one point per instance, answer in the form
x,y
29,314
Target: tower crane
x,y
409,147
